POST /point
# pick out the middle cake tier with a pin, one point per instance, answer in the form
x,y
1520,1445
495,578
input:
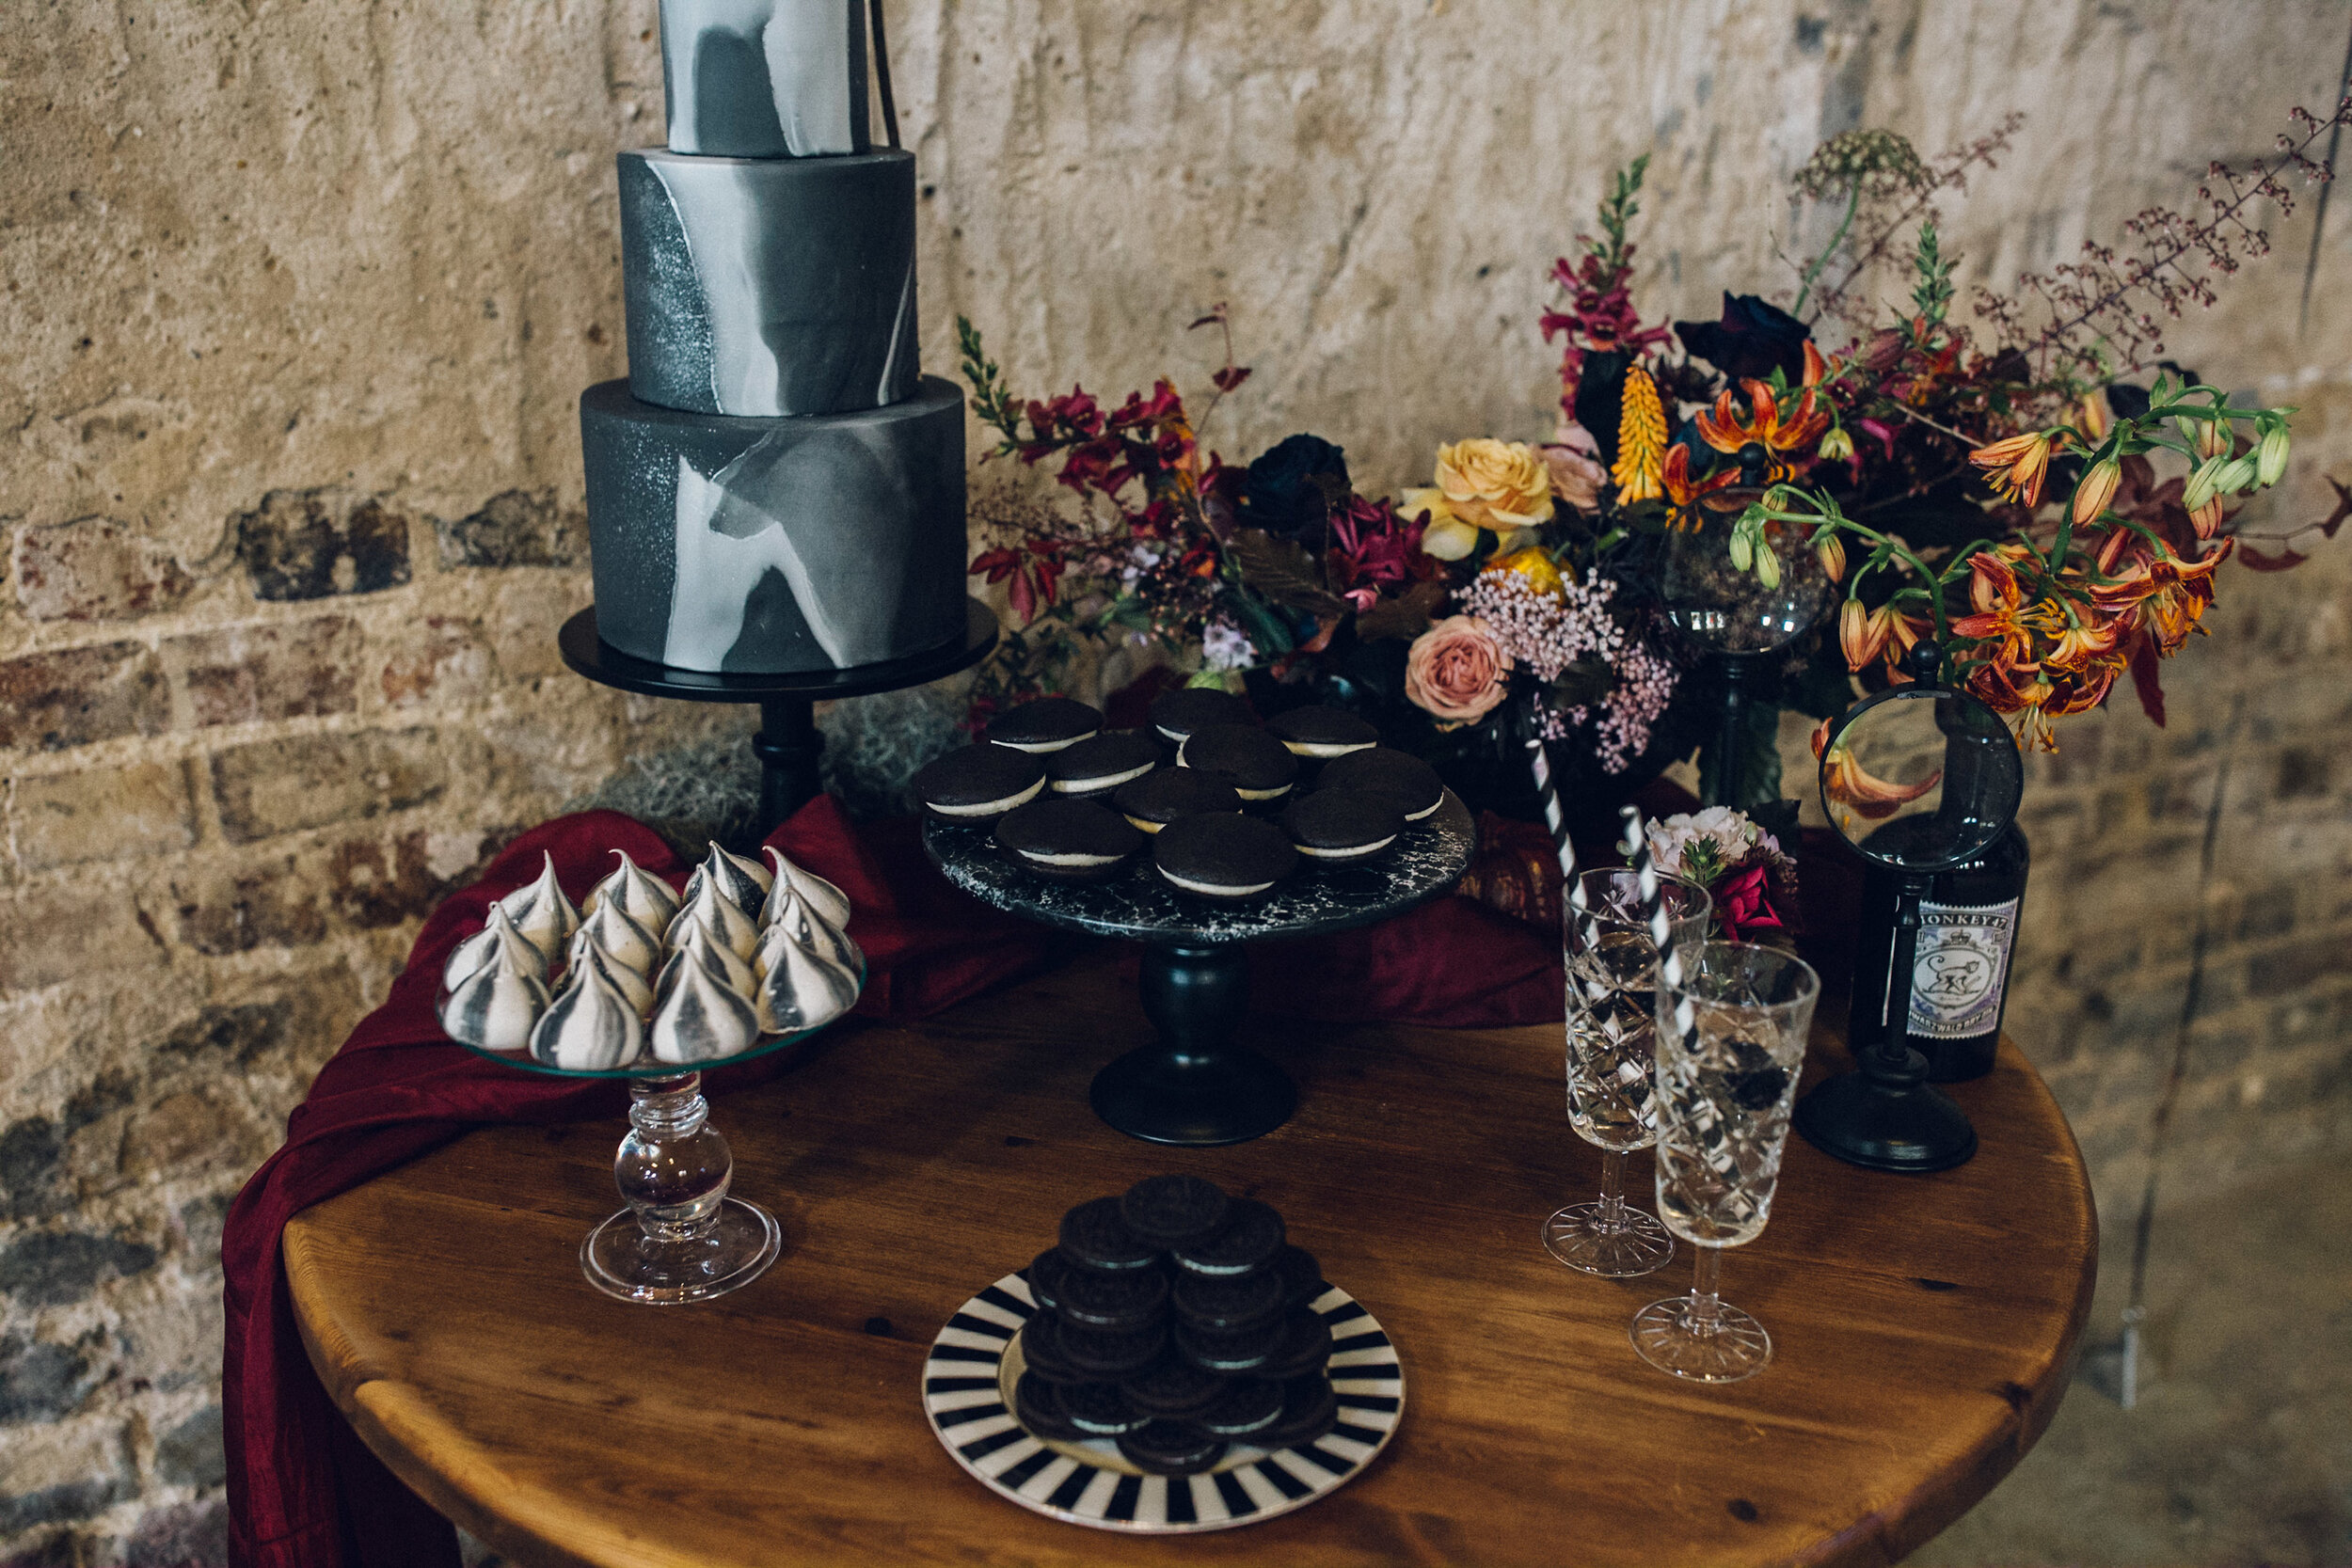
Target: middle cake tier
x,y
763,286
780,545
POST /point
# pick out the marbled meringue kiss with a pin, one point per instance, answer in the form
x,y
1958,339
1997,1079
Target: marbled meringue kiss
x,y
542,913
475,951
803,990
632,986
831,904
729,925
495,1006
701,1021
623,940
795,921
741,882
643,897
701,947
590,1028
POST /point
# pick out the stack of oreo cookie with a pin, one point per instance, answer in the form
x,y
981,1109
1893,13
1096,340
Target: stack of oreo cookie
x,y
1175,1322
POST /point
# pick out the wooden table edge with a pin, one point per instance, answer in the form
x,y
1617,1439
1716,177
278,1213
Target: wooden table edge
x,y
401,1428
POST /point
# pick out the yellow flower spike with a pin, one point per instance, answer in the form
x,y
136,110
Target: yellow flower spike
x,y
1641,441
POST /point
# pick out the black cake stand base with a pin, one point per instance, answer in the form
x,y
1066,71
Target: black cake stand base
x,y
788,746
1195,1084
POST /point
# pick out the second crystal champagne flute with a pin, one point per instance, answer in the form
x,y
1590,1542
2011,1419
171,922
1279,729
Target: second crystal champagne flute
x,y
1611,963
1730,1040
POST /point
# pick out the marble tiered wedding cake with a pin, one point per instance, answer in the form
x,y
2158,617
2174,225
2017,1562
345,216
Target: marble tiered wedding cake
x,y
776,487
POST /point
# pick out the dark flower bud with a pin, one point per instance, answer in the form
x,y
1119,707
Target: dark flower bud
x,y
1752,337
1291,488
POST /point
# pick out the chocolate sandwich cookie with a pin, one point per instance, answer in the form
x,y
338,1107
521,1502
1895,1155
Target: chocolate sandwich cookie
x,y
1229,859
1323,732
1168,795
979,784
1228,1304
1099,766
1306,1345
1413,784
1302,1276
1041,1353
1177,714
1338,827
1310,1409
1249,1405
1171,1448
1047,724
1037,1405
1250,1239
1068,841
1101,1410
1173,1387
1045,1273
1228,1353
1111,1298
1095,1236
1108,1355
1259,767
1174,1211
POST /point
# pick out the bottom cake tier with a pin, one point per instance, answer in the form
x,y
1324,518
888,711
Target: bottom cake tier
x,y
775,546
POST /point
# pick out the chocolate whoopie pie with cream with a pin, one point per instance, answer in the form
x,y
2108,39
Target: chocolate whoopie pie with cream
x,y
1177,714
1099,766
1171,794
1323,732
1259,767
979,784
1412,783
1338,826
1068,841
1229,859
1047,724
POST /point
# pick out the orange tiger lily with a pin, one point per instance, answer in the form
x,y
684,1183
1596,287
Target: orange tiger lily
x,y
1726,429
2159,590
2016,467
1850,788
1675,480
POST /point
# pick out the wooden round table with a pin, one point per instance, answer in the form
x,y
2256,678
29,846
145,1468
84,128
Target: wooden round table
x,y
1925,1327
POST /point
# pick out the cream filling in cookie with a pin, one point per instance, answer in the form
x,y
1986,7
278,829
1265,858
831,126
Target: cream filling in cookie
x,y
1036,748
1264,794
1145,825
1321,749
1096,785
993,808
1074,862
1429,809
1372,848
1213,890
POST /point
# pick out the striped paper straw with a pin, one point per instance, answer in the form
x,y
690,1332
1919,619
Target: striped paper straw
x,y
1661,927
1571,886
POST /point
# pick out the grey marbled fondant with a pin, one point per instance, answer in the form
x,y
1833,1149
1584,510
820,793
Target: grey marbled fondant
x,y
775,546
769,286
1427,860
764,78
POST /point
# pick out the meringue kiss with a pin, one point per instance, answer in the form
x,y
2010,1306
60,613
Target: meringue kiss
x,y
624,940
590,1028
587,955
831,904
701,1021
541,913
741,882
474,954
701,947
643,897
803,990
729,925
495,1006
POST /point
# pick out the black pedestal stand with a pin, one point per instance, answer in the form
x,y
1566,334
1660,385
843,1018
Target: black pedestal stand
x,y
787,744
1195,1084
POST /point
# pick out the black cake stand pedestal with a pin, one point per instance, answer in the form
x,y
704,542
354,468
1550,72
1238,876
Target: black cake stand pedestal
x,y
1197,1084
787,744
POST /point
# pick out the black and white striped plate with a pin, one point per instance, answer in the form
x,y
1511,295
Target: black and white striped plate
x,y
967,1391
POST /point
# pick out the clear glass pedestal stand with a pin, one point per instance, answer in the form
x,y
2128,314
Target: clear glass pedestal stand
x,y
682,1238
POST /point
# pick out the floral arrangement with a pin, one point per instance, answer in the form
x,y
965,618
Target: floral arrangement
x,y
1741,866
2002,493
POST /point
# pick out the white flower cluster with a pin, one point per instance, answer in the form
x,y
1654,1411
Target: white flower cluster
x,y
1545,634
1225,646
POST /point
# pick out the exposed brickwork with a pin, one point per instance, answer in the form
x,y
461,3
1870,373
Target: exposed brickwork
x,y
313,544
97,814
93,569
79,696
517,527
250,675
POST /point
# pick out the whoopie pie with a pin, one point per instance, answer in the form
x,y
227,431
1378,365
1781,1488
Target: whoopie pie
x,y
1100,765
1047,724
1414,783
1068,841
1323,732
1171,794
1229,859
1337,827
1177,714
979,784
1259,767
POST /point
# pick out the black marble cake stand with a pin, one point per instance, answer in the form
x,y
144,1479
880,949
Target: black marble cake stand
x,y
787,744
1197,1084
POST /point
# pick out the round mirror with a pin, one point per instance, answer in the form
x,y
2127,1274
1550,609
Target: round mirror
x,y
1920,778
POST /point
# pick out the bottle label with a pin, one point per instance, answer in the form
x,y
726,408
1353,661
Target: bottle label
x,y
1962,965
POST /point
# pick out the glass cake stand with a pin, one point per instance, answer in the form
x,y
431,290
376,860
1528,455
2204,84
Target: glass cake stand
x,y
683,1236
1196,1085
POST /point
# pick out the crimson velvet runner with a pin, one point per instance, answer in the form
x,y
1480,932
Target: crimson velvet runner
x,y
304,1492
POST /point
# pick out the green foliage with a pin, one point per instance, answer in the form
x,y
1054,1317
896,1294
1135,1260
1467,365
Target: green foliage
x,y
1932,294
995,406
1619,209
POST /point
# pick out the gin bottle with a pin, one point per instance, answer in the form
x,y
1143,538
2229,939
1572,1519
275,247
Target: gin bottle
x,y
1960,980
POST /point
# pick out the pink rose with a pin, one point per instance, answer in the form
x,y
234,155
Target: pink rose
x,y
1456,670
1576,477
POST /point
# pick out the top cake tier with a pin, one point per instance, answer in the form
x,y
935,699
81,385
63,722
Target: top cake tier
x,y
764,78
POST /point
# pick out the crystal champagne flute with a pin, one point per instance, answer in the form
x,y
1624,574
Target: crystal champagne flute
x,y
1730,1040
1611,963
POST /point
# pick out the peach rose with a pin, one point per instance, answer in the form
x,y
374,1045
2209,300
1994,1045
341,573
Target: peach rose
x,y
1456,670
1482,483
1575,478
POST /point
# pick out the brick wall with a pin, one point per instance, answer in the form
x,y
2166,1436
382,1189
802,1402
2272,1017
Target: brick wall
x,y
299,299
